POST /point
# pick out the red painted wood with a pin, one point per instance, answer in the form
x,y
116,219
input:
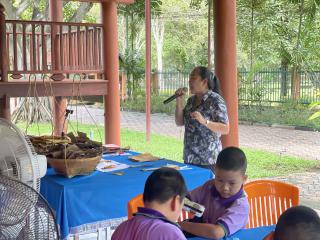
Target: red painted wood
x,y
24,48
111,67
18,88
14,33
44,49
148,67
225,63
34,48
56,23
4,100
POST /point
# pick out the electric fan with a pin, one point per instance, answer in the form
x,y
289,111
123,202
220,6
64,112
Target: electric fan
x,y
18,158
24,214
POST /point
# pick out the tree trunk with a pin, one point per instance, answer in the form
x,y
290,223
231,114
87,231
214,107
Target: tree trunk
x,y
295,78
158,34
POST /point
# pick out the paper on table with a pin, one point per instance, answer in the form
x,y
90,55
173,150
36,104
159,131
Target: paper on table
x,y
110,165
144,157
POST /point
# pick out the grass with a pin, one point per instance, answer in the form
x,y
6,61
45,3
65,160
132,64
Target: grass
x,y
260,163
287,114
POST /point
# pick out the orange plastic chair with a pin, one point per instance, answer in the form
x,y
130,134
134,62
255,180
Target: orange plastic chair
x,y
137,201
268,199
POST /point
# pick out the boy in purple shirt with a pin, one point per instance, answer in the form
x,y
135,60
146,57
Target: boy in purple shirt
x,y
297,223
226,204
163,196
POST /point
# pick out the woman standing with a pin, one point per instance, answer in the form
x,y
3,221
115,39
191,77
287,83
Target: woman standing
x,y
204,117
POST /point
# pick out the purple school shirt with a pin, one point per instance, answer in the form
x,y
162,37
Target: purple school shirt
x,y
147,228
231,213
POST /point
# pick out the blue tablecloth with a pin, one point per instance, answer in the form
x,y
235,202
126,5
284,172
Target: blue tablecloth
x,y
246,234
87,202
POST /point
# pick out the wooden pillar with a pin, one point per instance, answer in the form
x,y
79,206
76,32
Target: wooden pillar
x,y
111,72
4,61
209,34
60,103
225,63
148,67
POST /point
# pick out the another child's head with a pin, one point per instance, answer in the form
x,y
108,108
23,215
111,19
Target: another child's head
x,y
165,188
230,171
298,223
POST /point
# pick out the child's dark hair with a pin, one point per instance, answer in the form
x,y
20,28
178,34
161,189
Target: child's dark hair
x,y
298,223
163,184
232,159
213,81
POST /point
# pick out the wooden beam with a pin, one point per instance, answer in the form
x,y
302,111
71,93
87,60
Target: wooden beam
x,y
64,88
102,1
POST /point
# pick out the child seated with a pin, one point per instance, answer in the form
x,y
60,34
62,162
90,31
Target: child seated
x,y
227,207
297,223
163,197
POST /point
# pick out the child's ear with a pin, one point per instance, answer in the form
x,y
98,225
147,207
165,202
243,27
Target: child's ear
x,y
245,178
173,203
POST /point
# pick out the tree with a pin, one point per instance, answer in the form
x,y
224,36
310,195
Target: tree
x,y
158,34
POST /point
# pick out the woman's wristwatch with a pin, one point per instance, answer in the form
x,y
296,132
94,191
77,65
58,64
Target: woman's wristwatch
x,y
207,122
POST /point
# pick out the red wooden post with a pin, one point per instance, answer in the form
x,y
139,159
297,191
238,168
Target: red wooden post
x,y
225,63
209,34
44,48
148,68
4,100
111,70
60,103
24,47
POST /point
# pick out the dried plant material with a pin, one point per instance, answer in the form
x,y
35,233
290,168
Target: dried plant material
x,y
109,167
114,149
118,173
70,155
144,157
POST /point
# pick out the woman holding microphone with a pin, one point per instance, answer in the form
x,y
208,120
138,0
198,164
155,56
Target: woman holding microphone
x,y
204,117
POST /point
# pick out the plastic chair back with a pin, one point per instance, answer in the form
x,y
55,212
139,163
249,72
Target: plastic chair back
x,y
137,201
268,199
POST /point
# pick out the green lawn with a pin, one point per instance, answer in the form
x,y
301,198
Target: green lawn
x,y
260,163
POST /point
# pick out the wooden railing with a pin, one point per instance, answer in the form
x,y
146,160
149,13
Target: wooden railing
x,y
56,48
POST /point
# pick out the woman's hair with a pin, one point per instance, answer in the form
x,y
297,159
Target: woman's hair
x,y
213,81
164,184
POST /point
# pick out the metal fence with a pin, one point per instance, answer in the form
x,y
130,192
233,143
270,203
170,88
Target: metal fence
x,y
264,86
274,85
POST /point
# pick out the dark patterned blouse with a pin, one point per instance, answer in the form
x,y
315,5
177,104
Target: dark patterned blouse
x,y
201,145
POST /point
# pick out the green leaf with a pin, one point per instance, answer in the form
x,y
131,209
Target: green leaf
x,y
314,104
314,116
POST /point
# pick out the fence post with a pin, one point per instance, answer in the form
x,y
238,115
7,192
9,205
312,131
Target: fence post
x,y
155,82
4,100
284,80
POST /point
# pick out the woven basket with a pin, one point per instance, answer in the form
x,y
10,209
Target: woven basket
x,y
74,167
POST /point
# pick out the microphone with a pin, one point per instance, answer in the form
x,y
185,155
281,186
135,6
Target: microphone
x,y
173,97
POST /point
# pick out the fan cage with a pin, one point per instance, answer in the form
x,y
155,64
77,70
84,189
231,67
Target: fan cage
x,y
24,213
